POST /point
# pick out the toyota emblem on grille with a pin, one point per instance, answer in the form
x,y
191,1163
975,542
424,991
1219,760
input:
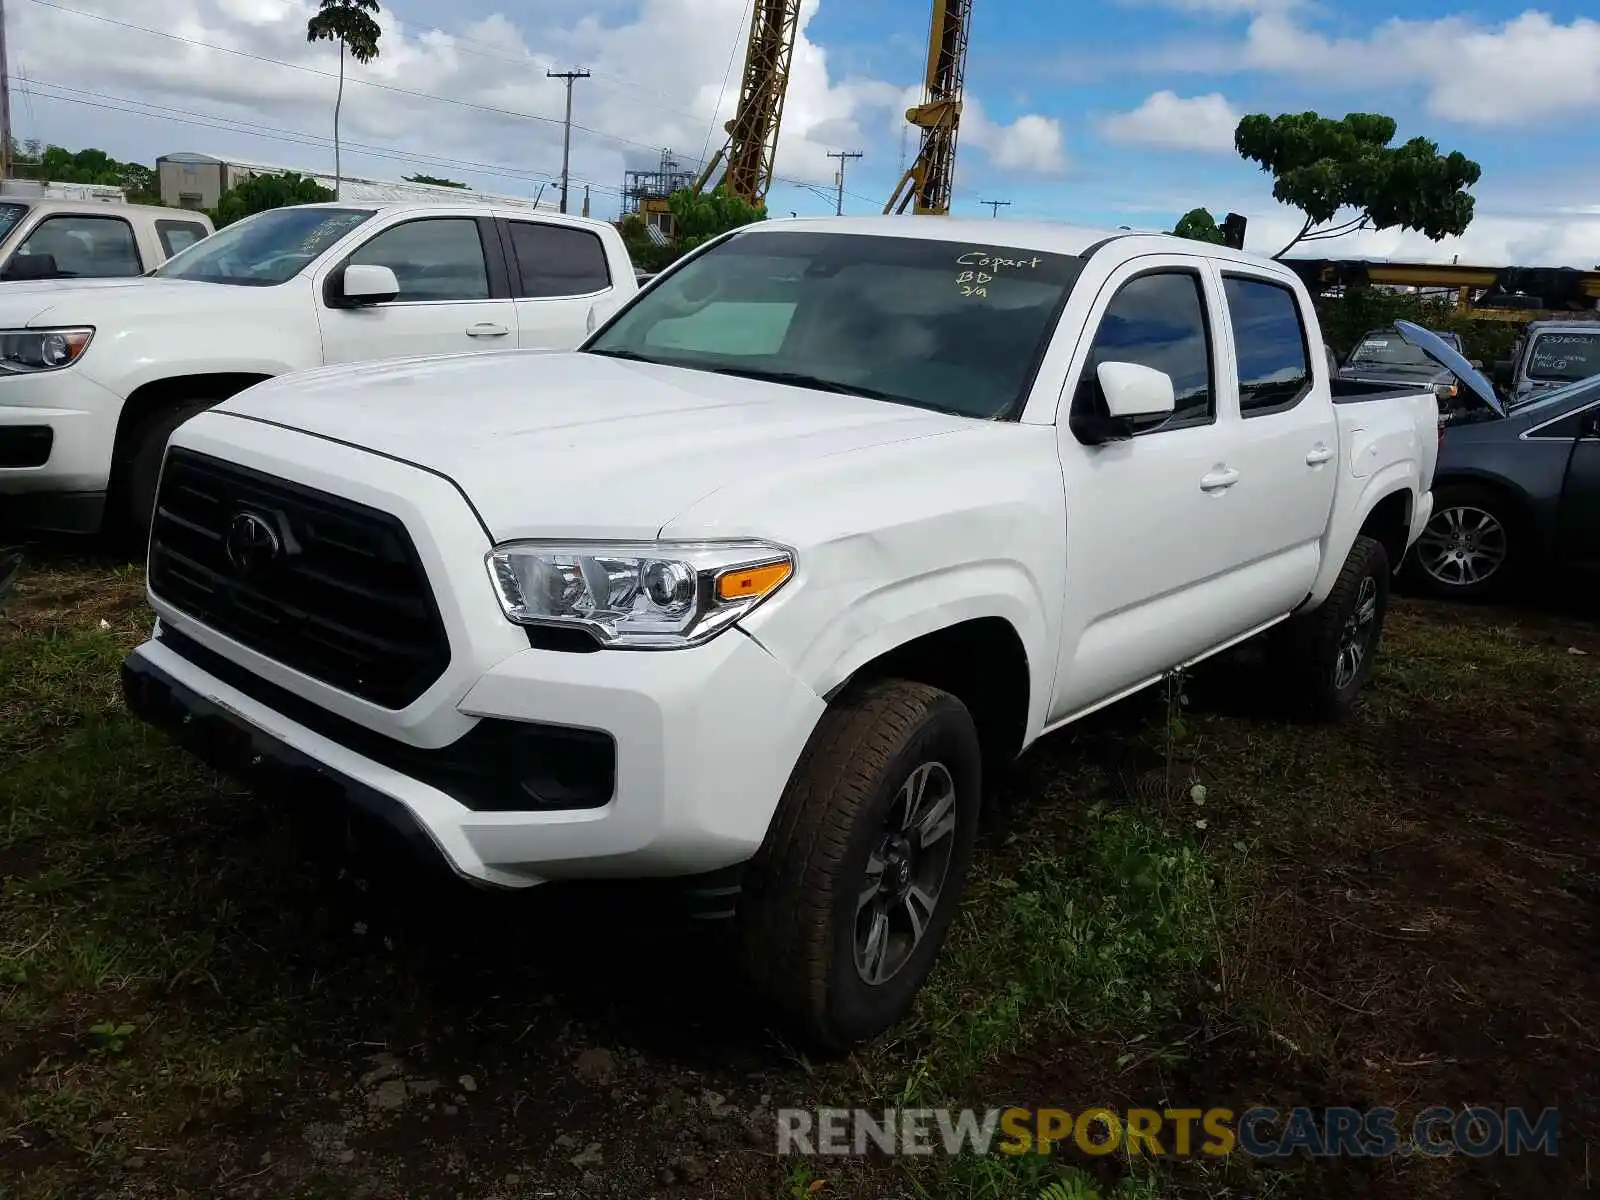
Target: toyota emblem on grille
x,y
252,543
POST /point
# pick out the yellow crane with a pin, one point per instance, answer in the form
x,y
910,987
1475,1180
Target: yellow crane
x,y
926,186
753,132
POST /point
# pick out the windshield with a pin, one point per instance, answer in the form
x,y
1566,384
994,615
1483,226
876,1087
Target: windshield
x,y
1392,351
10,214
1565,356
938,324
265,249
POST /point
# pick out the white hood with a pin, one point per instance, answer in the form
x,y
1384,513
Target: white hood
x,y
91,301
579,445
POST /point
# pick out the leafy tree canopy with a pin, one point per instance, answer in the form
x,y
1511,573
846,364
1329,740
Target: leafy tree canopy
x,y
436,181
698,218
267,191
56,164
1324,167
350,22
1199,225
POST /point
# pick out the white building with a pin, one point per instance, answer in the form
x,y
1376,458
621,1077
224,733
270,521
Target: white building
x,y
197,181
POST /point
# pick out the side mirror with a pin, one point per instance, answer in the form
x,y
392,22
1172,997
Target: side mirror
x,y
1133,390
31,266
365,284
1590,427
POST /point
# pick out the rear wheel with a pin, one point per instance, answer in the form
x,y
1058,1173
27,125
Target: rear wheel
x,y
849,900
1326,655
138,470
1470,548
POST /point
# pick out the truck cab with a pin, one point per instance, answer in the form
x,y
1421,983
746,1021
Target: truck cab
x,y
47,238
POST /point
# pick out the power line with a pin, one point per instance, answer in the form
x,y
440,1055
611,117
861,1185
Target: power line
x,y
289,136
995,206
570,77
466,104
843,157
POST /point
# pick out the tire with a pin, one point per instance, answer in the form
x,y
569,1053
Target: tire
x,y
1471,548
1326,655
138,470
798,923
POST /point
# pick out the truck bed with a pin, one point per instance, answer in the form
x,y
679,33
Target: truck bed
x,y
1357,391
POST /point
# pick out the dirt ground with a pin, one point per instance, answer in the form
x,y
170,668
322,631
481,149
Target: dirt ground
x,y
209,993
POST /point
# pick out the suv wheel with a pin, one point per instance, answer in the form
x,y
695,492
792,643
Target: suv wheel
x,y
850,897
1468,549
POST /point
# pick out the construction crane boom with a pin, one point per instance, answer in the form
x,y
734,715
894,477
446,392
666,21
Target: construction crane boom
x,y
753,133
927,185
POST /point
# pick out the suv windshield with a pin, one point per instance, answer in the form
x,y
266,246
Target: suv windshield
x,y
951,326
1389,349
267,248
1565,356
10,214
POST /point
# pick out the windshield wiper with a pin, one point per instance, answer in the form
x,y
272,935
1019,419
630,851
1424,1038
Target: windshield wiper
x,y
632,356
801,379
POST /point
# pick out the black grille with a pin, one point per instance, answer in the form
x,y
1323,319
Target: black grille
x,y
344,599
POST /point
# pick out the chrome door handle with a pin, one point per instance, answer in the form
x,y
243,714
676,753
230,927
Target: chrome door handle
x,y
485,329
1219,480
1319,454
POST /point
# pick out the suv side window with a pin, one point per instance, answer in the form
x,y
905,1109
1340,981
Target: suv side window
x,y
179,235
1157,320
1269,336
86,247
558,260
436,259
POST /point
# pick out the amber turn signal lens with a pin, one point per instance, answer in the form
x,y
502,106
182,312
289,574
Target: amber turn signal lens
x,y
752,581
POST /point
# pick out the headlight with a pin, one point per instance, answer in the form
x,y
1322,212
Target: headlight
x,y
637,595
24,351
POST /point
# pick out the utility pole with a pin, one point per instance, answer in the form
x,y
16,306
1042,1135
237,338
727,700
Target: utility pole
x,y
842,156
5,100
566,137
995,206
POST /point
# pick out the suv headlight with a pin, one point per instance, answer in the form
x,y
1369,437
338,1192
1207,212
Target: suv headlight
x,y
26,351
637,595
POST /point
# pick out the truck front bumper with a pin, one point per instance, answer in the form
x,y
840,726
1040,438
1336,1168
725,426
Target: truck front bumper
x,y
705,740
57,431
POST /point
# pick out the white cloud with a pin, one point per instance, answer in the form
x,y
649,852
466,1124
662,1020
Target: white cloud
x,y
660,72
1031,144
1167,120
1524,69
1493,239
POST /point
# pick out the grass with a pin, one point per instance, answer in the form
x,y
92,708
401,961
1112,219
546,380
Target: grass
x,y
194,983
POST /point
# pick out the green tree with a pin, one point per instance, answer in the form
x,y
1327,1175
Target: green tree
x,y
700,217
1199,225
351,24
262,192
436,181
1325,167
56,164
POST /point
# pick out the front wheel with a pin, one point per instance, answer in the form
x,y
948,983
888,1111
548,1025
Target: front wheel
x,y
1327,655
850,897
1469,548
138,470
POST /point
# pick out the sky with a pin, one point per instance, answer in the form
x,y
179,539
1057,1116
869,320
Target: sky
x,y
1115,114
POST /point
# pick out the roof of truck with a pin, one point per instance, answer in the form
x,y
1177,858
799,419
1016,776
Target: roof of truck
x,y
1052,237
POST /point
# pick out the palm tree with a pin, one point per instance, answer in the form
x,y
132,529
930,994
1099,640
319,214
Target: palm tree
x,y
350,23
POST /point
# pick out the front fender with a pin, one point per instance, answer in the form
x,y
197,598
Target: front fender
x,y
833,628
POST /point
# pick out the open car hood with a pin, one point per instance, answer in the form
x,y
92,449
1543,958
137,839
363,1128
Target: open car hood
x,y
1436,348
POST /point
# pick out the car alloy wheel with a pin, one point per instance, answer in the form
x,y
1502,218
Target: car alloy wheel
x,y
1355,639
1463,546
905,873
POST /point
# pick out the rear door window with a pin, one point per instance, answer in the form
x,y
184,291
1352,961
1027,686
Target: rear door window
x,y
558,260
1269,338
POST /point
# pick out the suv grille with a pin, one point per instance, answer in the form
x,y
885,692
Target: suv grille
x,y
323,585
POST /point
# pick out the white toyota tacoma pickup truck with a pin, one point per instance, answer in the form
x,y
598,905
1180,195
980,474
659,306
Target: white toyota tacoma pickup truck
x,y
834,518
95,375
